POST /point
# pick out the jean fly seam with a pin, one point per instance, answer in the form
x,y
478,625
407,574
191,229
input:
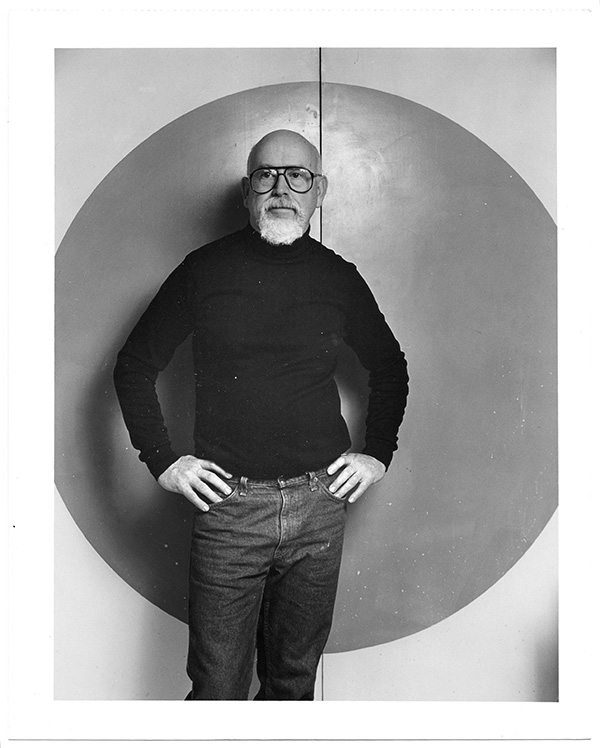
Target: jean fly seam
x,y
281,523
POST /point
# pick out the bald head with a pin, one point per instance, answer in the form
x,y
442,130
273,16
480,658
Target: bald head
x,y
284,147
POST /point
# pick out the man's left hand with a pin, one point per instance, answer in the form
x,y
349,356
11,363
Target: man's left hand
x,y
358,473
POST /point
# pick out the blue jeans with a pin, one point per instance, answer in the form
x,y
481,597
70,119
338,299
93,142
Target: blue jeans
x,y
263,576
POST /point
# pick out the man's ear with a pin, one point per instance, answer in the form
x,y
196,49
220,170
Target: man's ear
x,y
245,188
322,184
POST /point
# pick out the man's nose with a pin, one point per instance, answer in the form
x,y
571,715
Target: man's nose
x,y
281,186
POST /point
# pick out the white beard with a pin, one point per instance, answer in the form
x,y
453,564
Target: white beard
x,y
281,230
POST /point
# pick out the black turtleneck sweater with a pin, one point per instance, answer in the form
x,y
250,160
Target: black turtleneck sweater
x,y
267,323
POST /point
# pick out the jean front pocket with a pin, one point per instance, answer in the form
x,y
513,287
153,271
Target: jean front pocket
x,y
324,482
230,497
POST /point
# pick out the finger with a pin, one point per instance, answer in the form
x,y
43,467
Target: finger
x,y
216,482
341,479
216,469
351,483
193,497
337,465
358,493
205,490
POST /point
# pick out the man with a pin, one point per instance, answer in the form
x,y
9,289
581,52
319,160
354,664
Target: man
x,y
269,308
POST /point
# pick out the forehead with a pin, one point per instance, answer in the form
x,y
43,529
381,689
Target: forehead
x,y
284,150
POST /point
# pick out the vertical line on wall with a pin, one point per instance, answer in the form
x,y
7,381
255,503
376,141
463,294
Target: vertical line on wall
x,y
321,134
321,238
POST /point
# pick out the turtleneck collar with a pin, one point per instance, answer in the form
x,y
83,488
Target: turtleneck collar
x,y
277,252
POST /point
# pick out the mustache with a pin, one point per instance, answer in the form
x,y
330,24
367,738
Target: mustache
x,y
279,202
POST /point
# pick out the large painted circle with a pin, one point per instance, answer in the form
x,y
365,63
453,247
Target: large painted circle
x,y
461,256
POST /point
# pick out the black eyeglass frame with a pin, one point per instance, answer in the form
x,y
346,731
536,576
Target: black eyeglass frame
x,y
281,170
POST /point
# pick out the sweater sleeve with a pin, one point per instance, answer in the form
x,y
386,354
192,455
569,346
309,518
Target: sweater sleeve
x,y
379,352
164,325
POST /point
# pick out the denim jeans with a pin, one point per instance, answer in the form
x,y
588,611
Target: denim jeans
x,y
263,576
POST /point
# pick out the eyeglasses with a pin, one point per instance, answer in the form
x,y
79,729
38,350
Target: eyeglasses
x,y
298,178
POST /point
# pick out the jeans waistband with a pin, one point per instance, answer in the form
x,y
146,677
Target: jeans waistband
x,y
282,482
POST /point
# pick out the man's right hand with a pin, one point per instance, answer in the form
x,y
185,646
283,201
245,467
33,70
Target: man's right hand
x,y
196,479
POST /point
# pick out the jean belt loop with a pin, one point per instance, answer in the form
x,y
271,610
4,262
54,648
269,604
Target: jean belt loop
x,y
312,480
243,485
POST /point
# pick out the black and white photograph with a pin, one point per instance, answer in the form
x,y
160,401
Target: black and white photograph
x,y
423,222
305,363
